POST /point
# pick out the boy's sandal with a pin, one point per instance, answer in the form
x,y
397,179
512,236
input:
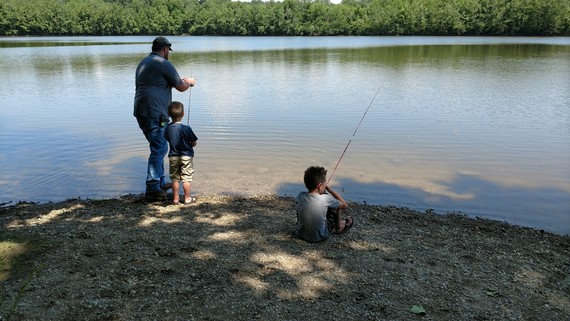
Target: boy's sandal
x,y
346,227
192,200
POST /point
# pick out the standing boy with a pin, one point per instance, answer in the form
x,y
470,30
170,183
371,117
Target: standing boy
x,y
182,141
319,213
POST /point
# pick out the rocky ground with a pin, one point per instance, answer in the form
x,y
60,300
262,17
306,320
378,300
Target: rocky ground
x,y
233,258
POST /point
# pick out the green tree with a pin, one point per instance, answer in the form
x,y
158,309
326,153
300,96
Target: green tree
x,y
287,18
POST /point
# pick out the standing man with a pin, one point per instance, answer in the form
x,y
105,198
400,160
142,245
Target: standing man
x,y
155,78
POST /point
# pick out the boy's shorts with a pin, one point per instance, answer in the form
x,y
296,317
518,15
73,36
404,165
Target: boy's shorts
x,y
181,168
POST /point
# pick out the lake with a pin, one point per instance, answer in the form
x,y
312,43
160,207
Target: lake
x,y
479,125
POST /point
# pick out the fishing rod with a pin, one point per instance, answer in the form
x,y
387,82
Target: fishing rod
x,y
350,141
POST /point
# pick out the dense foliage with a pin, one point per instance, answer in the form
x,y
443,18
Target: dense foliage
x,y
286,18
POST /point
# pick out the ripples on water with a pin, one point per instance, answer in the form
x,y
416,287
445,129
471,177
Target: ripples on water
x,y
460,124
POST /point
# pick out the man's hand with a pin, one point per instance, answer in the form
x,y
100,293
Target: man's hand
x,y
190,82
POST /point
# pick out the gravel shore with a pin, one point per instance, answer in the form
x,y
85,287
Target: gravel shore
x,y
233,258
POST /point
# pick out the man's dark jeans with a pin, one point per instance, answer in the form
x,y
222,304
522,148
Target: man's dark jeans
x,y
154,134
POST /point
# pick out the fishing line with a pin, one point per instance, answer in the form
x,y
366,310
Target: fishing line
x,y
350,141
189,99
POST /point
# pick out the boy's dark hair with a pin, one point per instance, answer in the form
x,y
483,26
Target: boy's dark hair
x,y
313,176
176,110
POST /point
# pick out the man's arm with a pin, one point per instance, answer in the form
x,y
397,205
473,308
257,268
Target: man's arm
x,y
186,83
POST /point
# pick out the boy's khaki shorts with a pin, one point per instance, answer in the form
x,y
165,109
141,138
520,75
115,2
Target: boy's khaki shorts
x,y
181,168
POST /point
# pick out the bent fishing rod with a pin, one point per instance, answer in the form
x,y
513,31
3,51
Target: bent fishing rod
x,y
350,141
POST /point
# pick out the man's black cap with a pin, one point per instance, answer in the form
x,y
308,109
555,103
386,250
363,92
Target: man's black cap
x,y
161,42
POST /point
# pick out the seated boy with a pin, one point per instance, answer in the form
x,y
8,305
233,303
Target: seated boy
x,y
319,213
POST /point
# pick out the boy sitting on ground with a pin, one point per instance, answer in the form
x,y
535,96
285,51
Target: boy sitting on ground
x,y
319,213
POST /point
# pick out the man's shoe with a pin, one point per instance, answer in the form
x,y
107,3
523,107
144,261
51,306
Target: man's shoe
x,y
166,186
155,196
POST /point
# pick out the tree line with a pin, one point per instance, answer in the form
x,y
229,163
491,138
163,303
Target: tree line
x,y
285,18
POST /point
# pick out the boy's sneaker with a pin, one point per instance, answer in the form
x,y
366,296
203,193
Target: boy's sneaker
x,y
155,196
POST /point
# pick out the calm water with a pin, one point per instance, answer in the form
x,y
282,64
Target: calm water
x,y
478,125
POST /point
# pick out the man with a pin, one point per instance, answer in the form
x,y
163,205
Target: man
x,y
155,78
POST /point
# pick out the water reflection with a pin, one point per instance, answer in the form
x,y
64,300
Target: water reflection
x,y
454,128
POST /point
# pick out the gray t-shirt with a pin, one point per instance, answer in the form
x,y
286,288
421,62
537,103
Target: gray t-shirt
x,y
312,215
155,77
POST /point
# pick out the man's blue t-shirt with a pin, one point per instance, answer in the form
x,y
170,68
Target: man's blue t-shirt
x,y
155,77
